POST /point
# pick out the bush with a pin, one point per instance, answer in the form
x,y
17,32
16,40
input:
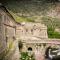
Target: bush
x,y
25,56
52,33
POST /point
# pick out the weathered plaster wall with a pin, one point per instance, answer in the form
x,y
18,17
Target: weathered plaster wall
x,y
34,35
31,30
31,34
8,37
2,41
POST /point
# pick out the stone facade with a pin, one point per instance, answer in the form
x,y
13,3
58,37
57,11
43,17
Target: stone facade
x,y
31,30
8,44
33,36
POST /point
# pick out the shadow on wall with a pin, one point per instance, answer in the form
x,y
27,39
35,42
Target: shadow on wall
x,y
20,45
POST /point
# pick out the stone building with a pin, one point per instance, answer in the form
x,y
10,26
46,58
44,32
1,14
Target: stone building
x,y
8,43
31,30
35,39
33,36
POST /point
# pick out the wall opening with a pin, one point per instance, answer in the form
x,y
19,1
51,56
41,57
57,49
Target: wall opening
x,y
29,49
20,45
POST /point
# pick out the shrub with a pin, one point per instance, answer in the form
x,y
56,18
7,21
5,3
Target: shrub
x,y
52,33
25,56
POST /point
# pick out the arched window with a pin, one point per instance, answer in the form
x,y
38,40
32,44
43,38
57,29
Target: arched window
x,y
29,49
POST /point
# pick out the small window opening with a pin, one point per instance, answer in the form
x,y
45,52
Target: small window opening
x,y
29,49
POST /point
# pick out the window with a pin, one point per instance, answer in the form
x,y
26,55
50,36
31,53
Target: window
x,y
29,49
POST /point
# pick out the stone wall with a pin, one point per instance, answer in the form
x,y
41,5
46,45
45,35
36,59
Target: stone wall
x,y
2,41
33,35
9,45
31,30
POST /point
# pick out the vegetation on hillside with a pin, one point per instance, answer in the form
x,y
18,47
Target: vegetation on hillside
x,y
21,18
33,7
51,24
51,21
